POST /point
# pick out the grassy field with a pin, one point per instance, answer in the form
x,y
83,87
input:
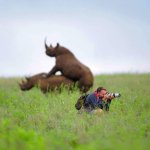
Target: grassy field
x,y
32,120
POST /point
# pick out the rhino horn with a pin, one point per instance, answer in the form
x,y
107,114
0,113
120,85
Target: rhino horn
x,y
22,82
27,78
46,44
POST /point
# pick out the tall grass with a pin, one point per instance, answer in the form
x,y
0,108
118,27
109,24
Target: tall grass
x,y
32,120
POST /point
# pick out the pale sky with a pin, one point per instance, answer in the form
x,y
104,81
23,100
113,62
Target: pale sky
x,y
109,36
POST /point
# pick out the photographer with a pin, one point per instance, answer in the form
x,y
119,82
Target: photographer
x,y
98,101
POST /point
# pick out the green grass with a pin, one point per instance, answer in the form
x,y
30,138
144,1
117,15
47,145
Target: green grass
x,y
31,120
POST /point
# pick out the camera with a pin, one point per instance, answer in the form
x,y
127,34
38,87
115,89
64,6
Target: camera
x,y
114,94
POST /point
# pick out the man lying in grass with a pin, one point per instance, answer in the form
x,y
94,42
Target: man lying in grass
x,y
97,101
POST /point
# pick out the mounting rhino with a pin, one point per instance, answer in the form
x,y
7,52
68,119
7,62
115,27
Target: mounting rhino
x,y
70,66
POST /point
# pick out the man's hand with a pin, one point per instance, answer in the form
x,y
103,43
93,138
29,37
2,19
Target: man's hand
x,y
108,97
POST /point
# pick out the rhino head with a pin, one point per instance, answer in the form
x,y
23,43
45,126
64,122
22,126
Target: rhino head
x,y
26,85
52,51
32,81
56,51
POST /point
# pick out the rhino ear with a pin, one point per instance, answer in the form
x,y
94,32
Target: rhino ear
x,y
57,45
51,46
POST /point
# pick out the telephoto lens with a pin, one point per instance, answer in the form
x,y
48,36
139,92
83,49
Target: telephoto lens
x,y
114,94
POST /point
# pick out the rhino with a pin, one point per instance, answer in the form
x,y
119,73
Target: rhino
x,y
54,82
70,66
